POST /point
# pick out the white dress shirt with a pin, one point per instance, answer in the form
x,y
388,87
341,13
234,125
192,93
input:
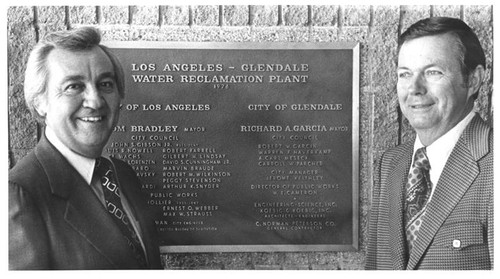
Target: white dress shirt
x,y
85,167
439,151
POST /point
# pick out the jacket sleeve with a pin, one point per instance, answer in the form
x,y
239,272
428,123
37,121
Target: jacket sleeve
x,y
490,230
371,250
28,238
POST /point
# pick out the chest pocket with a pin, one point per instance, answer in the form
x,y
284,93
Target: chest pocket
x,y
460,235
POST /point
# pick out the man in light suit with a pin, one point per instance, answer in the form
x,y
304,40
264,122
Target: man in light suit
x,y
441,218
69,208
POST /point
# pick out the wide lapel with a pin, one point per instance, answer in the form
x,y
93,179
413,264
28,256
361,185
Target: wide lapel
x,y
84,212
396,188
460,171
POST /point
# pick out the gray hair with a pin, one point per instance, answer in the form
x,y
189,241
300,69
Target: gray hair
x,y
80,39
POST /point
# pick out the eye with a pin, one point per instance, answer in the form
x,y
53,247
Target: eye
x,y
404,74
107,85
74,88
434,75
433,72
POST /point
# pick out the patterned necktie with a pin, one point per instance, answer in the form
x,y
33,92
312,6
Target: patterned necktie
x,y
114,205
418,190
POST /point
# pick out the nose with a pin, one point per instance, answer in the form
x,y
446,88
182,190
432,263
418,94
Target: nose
x,y
93,98
416,85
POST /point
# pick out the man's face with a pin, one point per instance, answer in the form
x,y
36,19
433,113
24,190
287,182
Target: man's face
x,y
431,89
82,102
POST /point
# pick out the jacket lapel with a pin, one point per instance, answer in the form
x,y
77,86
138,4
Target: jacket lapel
x,y
84,212
396,187
128,185
452,185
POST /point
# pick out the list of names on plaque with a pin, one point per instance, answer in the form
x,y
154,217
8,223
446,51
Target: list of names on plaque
x,y
243,149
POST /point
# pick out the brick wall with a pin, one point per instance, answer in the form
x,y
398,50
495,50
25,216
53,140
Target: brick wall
x,y
375,27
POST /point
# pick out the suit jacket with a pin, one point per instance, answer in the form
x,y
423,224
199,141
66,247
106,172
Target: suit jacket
x,y
57,222
457,231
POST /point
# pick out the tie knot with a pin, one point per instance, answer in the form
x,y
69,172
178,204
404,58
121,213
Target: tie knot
x,y
420,160
102,166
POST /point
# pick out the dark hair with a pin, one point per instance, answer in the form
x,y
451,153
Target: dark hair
x,y
80,39
470,50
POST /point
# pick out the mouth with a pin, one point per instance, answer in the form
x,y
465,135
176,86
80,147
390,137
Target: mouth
x,y
421,106
92,119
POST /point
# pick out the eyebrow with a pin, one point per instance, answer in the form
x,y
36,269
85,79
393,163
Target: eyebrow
x,y
434,64
107,75
81,77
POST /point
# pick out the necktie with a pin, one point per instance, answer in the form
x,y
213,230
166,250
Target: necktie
x,y
114,206
418,190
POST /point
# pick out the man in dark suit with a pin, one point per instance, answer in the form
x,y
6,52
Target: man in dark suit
x,y
432,205
70,208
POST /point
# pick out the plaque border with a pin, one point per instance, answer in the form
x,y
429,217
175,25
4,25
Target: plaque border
x,y
355,48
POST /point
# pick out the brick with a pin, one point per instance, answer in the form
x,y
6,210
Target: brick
x,y
231,261
115,34
279,34
236,34
193,34
267,259
382,44
449,11
82,14
176,15
21,39
186,261
325,267
267,267
295,259
236,15
324,15
265,15
479,19
206,15
23,126
53,16
145,15
298,34
115,14
324,259
351,261
295,15
324,34
51,19
356,15
412,14
296,267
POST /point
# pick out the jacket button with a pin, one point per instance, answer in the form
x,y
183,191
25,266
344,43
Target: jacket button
x,y
456,243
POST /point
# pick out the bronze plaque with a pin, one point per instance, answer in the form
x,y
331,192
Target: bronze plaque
x,y
244,146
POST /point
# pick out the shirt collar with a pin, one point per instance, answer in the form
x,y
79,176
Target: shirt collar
x,y
439,151
451,137
83,165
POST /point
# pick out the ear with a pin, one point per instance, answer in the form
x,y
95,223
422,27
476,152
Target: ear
x,y
475,81
40,105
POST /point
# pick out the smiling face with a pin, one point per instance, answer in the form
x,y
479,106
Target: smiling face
x,y
81,104
431,88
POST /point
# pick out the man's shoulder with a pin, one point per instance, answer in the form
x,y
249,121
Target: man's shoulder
x,y
28,168
398,151
29,175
